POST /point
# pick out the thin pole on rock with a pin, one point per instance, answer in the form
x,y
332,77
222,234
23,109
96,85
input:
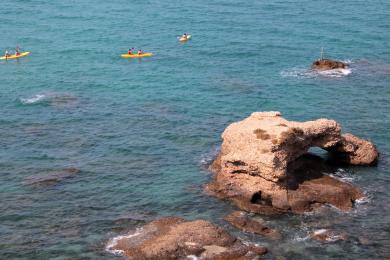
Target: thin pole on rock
x,y
322,53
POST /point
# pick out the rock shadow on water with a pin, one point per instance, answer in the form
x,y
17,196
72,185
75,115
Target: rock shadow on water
x,y
50,178
309,186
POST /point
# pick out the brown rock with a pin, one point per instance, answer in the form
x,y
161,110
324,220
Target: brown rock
x,y
327,64
356,151
261,167
172,238
242,221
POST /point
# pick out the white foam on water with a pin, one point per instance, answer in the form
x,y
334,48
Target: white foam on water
x,y
114,241
208,158
319,231
336,73
364,200
297,72
330,238
34,99
347,61
300,239
193,257
343,176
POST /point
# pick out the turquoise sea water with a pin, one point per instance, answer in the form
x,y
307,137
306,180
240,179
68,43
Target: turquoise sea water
x,y
142,132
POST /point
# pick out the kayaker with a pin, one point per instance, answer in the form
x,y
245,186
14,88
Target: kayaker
x,y
130,52
140,52
7,54
184,36
17,51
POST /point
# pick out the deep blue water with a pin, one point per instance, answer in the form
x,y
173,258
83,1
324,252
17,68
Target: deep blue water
x,y
141,132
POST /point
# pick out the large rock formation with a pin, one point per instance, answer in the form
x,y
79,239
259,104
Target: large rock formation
x,y
175,238
262,169
327,64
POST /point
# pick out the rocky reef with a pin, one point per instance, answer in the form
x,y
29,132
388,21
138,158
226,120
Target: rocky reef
x,y
50,178
263,166
327,64
176,238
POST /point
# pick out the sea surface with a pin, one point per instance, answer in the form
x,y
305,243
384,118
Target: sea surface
x,y
93,145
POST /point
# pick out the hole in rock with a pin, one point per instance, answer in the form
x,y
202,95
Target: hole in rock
x,y
318,151
257,198
238,163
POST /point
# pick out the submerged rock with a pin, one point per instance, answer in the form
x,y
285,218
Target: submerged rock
x,y
50,178
63,100
327,64
125,221
326,235
173,238
59,100
242,221
261,167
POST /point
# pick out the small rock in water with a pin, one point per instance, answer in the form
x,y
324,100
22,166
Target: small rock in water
x,y
364,241
327,64
326,235
244,222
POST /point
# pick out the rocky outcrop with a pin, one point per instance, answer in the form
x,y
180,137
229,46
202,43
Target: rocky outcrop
x,y
353,150
327,64
244,222
261,167
175,238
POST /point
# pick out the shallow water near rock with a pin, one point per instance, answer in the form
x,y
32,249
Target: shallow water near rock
x,y
141,132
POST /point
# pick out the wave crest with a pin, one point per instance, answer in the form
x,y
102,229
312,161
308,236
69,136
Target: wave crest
x,y
34,99
51,98
112,243
309,73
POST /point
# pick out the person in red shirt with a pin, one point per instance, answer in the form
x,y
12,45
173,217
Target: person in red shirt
x,y
17,51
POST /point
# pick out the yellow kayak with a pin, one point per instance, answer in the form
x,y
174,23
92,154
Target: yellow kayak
x,y
15,56
184,39
148,54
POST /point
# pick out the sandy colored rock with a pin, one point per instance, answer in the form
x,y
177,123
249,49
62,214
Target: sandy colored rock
x,y
265,143
327,64
356,151
174,238
262,168
244,222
